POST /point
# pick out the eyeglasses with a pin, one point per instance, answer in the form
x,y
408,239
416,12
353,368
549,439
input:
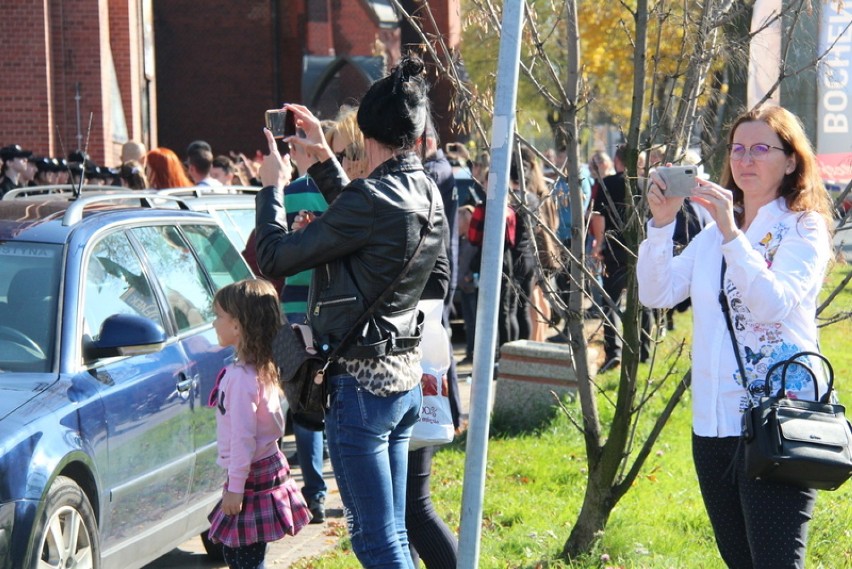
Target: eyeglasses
x,y
757,151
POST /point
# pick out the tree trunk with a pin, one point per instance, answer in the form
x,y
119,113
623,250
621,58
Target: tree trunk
x,y
597,506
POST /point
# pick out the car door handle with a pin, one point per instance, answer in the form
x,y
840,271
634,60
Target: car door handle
x,y
184,385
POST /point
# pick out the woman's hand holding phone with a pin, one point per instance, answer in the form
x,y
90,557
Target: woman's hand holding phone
x,y
275,170
663,207
719,203
310,137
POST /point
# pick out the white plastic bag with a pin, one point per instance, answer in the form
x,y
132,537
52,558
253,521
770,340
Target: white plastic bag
x,y
436,421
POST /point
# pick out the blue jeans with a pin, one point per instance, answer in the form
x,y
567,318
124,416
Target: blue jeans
x,y
309,449
368,444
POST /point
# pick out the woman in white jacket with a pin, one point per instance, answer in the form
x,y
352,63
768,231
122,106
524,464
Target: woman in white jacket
x,y
772,226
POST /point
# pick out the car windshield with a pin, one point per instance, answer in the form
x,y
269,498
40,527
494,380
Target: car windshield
x,y
29,296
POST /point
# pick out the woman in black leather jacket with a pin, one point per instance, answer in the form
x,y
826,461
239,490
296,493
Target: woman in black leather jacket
x,y
359,246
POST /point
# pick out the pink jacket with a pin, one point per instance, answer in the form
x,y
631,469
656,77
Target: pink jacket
x,y
249,422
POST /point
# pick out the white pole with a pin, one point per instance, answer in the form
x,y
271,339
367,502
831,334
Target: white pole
x,y
502,137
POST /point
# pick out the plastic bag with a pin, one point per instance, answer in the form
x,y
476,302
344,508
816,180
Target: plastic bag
x,y
435,426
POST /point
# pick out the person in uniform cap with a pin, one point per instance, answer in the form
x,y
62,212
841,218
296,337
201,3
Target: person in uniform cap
x,y
14,167
60,169
29,175
78,163
45,171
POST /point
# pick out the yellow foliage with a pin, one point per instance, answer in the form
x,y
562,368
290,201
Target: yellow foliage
x,y
607,35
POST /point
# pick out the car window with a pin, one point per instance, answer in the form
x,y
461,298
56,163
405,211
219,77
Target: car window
x,y
175,267
116,284
218,255
29,300
237,223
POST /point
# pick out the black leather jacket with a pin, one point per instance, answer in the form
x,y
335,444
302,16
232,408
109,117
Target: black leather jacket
x,y
358,247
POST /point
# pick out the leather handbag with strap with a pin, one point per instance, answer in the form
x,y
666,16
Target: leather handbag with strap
x,y
794,441
302,368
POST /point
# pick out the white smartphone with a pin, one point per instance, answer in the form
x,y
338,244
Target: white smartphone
x,y
680,180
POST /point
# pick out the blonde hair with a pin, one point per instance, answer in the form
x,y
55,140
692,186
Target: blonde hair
x,y
600,165
346,128
254,304
802,189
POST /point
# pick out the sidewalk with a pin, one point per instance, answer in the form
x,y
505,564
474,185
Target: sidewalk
x,y
314,539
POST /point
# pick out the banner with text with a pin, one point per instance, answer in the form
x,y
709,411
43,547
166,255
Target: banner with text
x,y
834,91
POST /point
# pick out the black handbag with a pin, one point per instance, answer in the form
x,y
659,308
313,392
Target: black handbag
x,y
794,441
302,368
299,367
807,443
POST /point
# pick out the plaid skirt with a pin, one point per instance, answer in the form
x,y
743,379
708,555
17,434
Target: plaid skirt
x,y
273,507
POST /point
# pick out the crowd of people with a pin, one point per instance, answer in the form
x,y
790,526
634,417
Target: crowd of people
x,y
367,209
139,169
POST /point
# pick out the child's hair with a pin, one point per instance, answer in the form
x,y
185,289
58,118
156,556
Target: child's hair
x,y
132,174
254,303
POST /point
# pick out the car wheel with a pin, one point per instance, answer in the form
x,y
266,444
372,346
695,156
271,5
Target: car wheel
x,y
214,550
66,532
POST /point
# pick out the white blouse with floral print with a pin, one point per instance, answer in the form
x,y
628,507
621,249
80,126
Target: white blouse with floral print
x,y
775,271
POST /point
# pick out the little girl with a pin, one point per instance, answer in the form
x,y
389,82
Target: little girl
x,y
260,502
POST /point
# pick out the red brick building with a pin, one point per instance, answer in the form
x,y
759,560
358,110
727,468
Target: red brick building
x,y
168,72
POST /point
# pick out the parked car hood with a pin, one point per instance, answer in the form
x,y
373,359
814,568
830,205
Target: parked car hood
x,y
16,389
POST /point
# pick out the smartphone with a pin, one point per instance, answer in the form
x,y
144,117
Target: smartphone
x,y
680,180
281,123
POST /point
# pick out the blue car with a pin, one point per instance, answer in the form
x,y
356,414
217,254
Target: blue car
x,y
107,358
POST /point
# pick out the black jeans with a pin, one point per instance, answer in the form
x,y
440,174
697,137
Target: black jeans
x,y
757,524
524,284
507,315
615,283
429,537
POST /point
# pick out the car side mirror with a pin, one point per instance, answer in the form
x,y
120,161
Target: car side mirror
x,y
126,335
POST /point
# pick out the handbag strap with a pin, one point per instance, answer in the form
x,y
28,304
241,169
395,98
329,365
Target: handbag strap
x,y
350,335
794,360
726,311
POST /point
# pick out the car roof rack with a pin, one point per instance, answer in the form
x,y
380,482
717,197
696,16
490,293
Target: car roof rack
x,y
74,213
59,190
205,191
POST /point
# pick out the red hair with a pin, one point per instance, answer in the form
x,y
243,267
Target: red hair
x,y
165,170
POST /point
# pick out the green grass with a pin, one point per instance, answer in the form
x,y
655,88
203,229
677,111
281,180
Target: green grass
x,y
535,484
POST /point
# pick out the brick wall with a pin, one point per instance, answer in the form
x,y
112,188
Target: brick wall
x,y
126,46
354,30
217,68
76,62
215,73
24,101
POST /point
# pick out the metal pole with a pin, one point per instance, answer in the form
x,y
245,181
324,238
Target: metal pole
x,y
77,97
502,135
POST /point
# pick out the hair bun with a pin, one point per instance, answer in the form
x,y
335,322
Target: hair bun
x,y
394,109
411,66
